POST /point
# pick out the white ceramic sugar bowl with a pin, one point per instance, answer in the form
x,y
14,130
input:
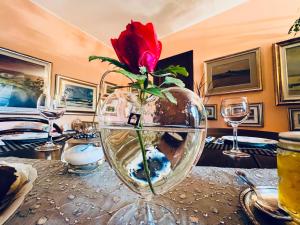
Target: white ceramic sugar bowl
x,y
83,158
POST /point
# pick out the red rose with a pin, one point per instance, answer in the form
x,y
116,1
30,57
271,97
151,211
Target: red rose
x,y
138,46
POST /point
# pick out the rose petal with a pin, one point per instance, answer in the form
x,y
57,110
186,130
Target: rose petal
x,y
138,46
149,60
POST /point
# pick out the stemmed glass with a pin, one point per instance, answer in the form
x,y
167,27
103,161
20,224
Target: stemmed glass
x,y
51,108
235,111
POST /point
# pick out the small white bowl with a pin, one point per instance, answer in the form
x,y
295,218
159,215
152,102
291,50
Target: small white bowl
x,y
83,158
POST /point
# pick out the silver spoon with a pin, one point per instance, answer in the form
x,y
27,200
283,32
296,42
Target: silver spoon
x,y
266,198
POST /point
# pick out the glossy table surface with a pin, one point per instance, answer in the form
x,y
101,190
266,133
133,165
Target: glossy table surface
x,y
209,195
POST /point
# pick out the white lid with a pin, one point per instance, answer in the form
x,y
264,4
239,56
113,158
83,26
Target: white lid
x,y
83,154
292,135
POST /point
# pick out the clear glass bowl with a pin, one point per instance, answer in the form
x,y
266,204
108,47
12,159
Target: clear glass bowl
x,y
173,135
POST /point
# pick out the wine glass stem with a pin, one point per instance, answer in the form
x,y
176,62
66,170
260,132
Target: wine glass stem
x,y
235,141
50,132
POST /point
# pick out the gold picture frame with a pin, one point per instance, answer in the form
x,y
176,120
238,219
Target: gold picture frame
x,y
239,72
287,71
22,79
81,95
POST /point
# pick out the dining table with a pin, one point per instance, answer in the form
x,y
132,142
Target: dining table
x,y
208,195
260,156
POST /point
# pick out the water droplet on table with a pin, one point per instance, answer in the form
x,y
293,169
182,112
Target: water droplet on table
x,y
182,196
42,220
35,206
71,197
214,210
77,212
194,219
115,199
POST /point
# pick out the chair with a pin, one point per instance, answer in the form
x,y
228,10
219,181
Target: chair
x,y
23,128
25,148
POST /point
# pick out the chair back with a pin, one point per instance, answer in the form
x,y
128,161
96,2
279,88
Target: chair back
x,y
23,128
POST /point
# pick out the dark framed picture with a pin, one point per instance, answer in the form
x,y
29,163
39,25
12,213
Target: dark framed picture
x,y
81,95
184,59
211,111
23,79
234,73
108,88
111,107
255,117
287,71
294,119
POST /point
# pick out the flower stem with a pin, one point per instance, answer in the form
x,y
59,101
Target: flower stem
x,y
146,168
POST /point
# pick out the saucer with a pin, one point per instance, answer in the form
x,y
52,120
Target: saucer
x,y
83,159
248,201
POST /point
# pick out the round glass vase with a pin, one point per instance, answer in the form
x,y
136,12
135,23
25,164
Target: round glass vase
x,y
152,147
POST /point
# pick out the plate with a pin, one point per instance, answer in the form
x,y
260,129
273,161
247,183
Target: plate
x,y
27,136
21,194
257,217
253,141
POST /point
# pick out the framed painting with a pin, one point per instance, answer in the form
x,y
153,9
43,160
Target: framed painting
x,y
234,73
184,59
255,117
111,107
81,95
23,79
294,119
108,88
211,111
286,67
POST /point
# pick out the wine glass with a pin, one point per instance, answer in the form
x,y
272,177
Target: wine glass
x,y
235,111
51,108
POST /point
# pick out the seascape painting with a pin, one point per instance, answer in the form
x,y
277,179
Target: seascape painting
x,y
239,72
22,80
81,95
230,74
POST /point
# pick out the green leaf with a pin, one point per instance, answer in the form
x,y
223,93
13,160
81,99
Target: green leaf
x,y
110,60
136,85
162,75
170,97
133,76
155,91
172,80
176,70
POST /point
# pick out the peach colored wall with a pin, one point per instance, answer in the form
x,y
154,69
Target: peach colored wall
x,y
256,23
28,29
